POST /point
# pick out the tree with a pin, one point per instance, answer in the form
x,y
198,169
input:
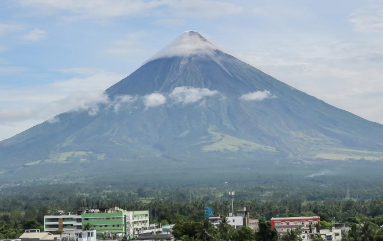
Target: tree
x,y
185,229
352,235
205,231
32,224
318,238
367,232
87,226
265,232
292,235
225,230
244,234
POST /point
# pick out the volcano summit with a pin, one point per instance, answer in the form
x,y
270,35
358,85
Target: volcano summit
x,y
190,107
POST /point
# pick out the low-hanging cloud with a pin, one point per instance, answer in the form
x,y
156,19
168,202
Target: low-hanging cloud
x,y
81,101
154,100
121,100
187,94
257,96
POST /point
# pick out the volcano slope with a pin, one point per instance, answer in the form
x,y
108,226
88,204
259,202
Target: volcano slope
x,y
192,107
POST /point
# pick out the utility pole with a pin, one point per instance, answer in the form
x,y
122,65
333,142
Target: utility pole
x,y
232,194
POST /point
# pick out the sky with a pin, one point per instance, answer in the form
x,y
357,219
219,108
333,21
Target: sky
x,y
58,55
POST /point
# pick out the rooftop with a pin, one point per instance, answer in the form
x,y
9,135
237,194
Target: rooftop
x,y
296,218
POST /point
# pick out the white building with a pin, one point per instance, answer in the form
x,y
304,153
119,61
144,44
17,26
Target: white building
x,y
78,235
62,222
331,235
235,221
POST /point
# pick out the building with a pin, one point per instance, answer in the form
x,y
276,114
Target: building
x,y
331,235
308,225
61,221
242,219
254,224
104,220
335,234
36,235
152,237
79,235
235,221
167,229
117,221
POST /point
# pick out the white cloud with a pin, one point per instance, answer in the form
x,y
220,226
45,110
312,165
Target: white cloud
x,y
127,46
14,115
34,35
169,22
187,94
344,73
80,70
188,43
121,100
10,27
90,82
22,107
80,101
205,9
54,120
90,9
258,11
72,10
12,70
257,96
369,20
154,100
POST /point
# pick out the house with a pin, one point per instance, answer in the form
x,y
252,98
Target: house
x,y
36,235
331,235
308,225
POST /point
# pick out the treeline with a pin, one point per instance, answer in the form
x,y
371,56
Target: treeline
x,y
13,224
25,207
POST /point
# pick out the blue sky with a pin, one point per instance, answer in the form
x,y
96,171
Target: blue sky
x,y
56,54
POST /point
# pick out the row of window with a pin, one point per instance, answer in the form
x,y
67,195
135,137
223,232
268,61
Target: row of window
x,y
294,223
288,229
107,226
111,218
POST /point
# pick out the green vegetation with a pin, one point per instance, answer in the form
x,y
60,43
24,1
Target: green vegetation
x,y
23,207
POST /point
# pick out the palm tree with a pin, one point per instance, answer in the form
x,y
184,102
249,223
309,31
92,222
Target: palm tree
x,y
225,230
87,226
205,231
292,235
366,232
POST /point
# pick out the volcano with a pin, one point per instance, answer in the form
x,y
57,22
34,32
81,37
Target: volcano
x,y
189,107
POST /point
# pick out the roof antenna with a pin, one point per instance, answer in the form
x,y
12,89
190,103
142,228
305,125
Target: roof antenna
x,y
232,194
